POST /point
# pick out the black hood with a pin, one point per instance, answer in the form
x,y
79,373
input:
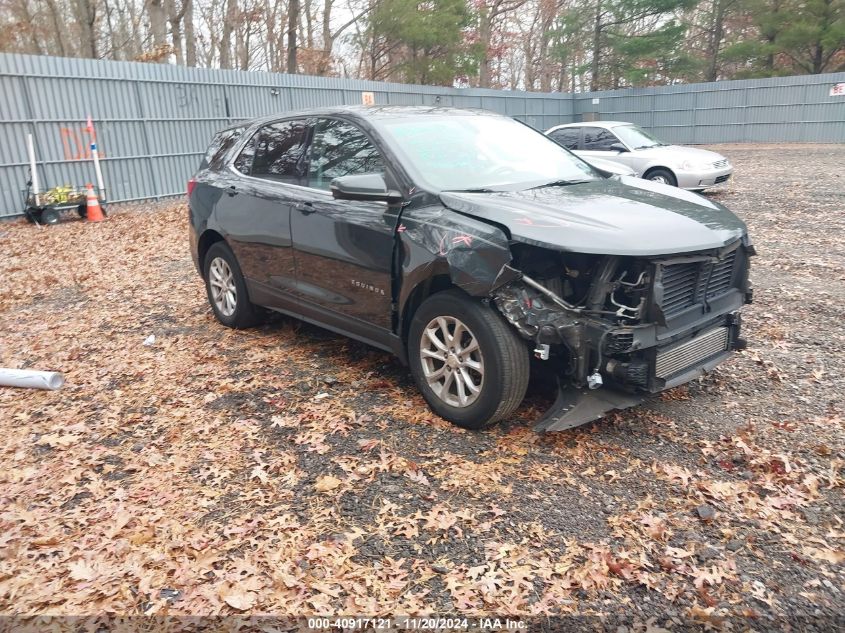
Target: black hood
x,y
626,216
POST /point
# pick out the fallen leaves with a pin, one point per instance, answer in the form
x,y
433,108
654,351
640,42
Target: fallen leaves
x,y
203,475
327,483
236,597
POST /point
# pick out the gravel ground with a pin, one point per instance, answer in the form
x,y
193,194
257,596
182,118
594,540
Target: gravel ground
x,y
289,471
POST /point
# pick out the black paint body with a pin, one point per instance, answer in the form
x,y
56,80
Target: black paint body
x,y
361,268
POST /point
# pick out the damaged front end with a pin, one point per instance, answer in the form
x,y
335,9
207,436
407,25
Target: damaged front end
x,y
615,329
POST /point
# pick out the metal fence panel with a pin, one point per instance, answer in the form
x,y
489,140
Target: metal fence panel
x,y
154,121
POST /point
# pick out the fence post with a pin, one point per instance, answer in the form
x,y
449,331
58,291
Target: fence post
x,y
146,134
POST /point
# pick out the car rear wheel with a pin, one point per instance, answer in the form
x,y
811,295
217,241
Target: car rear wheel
x,y
226,288
470,366
662,175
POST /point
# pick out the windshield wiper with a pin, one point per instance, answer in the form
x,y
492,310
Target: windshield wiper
x,y
559,183
475,190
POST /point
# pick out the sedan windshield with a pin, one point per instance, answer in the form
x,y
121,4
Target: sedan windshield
x,y
636,138
482,153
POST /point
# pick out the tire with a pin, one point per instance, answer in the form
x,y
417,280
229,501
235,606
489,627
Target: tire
x,y
662,175
501,355
49,216
82,211
231,307
32,214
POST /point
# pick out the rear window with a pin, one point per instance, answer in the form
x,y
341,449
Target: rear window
x,y
221,144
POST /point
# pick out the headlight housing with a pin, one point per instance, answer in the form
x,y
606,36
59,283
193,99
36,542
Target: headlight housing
x,y
696,165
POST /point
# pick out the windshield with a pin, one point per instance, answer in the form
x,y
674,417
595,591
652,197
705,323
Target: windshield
x,y
482,152
636,138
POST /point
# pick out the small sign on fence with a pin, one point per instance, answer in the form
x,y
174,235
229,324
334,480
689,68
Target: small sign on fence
x,y
368,98
837,90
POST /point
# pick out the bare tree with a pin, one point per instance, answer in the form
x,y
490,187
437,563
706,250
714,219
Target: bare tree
x,y
293,24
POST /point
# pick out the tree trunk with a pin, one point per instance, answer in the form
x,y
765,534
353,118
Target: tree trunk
x,y
56,19
485,33
226,35
328,40
190,38
595,63
158,24
714,45
86,15
293,23
174,17
818,57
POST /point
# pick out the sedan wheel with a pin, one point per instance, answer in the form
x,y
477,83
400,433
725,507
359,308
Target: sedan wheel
x,y
452,362
223,290
470,365
663,176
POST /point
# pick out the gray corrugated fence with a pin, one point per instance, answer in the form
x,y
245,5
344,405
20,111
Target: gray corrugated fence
x,y
154,121
779,109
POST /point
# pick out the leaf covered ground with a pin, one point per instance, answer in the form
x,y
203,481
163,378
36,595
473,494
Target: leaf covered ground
x,y
287,470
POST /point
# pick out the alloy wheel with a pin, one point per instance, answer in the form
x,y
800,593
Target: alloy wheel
x,y
224,293
452,363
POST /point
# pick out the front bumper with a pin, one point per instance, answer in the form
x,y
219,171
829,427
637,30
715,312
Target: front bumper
x,y
702,179
663,367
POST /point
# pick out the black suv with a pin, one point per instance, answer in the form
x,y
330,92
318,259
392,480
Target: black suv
x,y
464,242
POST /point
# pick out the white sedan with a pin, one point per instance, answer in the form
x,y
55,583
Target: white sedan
x,y
626,144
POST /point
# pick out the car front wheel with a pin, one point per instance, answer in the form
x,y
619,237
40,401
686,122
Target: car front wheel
x,y
226,288
663,176
471,367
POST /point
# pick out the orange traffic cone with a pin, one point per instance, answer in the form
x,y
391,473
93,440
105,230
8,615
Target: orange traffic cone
x,y
92,204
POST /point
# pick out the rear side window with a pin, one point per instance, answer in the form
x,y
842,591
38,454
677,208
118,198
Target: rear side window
x,y
243,163
596,138
340,149
281,152
219,147
567,136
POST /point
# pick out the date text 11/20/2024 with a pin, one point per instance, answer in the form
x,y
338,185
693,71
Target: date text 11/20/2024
x,y
418,624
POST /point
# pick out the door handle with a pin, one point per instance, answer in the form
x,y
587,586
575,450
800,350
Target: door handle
x,y
232,190
305,208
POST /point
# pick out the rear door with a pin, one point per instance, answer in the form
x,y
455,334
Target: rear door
x,y
567,136
344,249
255,208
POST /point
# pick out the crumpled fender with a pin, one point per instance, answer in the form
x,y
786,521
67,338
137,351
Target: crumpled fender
x,y
435,241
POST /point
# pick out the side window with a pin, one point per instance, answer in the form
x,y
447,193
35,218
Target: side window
x,y
340,149
243,163
281,152
597,139
221,144
567,136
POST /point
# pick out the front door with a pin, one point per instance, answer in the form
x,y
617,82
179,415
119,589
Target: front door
x,y
344,249
597,142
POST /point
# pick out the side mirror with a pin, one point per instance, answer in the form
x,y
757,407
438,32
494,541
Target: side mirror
x,y
364,187
618,147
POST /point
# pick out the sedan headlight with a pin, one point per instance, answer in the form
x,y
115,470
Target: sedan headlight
x,y
694,165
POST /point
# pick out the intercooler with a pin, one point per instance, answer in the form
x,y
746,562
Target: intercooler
x,y
693,352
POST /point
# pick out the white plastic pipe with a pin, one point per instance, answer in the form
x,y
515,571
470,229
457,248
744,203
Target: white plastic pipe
x,y
96,156
31,379
32,168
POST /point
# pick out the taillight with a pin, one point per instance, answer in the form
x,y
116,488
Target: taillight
x,y
191,184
